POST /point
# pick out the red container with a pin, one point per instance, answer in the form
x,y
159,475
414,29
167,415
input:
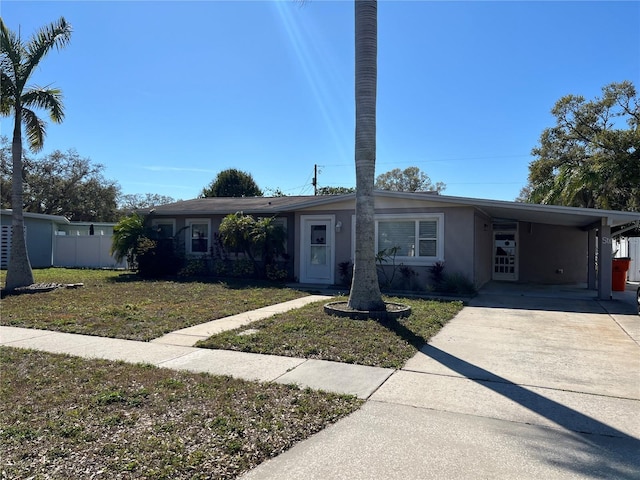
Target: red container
x,y
619,268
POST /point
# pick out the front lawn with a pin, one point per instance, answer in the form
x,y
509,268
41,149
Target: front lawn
x,y
309,333
121,305
65,417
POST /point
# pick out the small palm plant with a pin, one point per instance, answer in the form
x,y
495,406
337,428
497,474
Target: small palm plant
x,y
127,233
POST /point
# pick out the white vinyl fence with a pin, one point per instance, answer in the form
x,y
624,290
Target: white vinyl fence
x,y
87,251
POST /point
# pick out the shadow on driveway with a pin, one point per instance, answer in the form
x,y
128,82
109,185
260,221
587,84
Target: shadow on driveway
x,y
591,447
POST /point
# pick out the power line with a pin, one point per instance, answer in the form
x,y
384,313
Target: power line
x,y
434,160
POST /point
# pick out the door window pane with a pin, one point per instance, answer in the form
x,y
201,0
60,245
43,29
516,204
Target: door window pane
x,y
318,234
318,255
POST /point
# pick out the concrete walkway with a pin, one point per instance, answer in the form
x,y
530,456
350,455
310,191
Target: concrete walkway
x,y
191,335
518,385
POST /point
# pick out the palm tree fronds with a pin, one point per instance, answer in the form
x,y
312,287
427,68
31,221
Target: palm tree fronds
x,y
46,99
11,51
7,89
126,235
36,129
56,34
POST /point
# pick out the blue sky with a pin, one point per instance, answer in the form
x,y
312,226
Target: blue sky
x,y
167,94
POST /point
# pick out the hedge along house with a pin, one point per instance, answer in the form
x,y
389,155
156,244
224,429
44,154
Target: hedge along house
x,y
482,240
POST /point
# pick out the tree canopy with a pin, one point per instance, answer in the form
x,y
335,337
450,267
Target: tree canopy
x,y
131,202
411,179
232,183
335,190
591,156
61,183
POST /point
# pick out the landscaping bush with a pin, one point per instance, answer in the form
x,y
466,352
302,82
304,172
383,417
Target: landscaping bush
x,y
157,258
346,272
458,284
261,242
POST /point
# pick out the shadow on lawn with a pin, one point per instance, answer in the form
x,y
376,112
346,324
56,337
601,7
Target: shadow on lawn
x,y
615,454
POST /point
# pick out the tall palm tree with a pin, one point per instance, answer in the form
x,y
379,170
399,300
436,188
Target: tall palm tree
x,y
18,61
365,290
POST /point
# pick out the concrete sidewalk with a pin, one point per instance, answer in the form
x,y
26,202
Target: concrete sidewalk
x,y
175,351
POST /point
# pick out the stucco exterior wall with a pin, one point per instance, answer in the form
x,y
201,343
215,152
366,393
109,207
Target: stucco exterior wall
x,y
552,254
459,233
482,250
459,236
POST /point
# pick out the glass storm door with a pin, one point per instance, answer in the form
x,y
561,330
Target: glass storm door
x,y
505,256
317,251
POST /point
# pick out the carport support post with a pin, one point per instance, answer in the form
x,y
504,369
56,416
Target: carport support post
x,y
591,259
604,260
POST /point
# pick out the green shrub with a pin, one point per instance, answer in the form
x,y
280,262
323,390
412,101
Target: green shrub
x,y
457,283
196,267
261,241
157,258
346,272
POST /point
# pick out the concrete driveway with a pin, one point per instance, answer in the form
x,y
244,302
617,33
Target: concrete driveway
x,y
523,383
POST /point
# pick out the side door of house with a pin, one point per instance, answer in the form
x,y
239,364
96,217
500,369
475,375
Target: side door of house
x,y
505,255
317,249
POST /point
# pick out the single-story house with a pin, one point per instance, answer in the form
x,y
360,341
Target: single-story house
x,y
479,239
54,241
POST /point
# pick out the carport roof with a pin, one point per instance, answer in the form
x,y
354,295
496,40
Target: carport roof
x,y
496,209
39,216
536,213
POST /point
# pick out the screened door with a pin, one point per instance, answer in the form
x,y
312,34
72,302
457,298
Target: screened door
x,y
505,256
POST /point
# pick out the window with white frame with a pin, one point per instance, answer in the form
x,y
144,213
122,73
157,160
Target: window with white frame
x,y
198,235
164,228
418,238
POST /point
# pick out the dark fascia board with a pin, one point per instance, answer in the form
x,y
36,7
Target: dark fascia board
x,y
249,205
517,211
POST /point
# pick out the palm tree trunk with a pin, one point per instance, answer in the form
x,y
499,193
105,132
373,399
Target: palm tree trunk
x,y
19,273
365,290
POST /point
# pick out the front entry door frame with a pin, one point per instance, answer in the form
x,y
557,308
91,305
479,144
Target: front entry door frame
x,y
317,248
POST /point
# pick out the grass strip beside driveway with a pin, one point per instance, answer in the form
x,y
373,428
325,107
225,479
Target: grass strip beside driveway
x,y
309,333
66,417
121,305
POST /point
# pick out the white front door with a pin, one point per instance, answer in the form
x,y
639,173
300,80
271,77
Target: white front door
x,y
316,249
505,256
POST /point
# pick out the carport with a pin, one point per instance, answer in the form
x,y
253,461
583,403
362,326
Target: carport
x,y
599,224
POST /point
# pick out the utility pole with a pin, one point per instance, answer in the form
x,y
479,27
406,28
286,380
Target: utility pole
x,y
315,179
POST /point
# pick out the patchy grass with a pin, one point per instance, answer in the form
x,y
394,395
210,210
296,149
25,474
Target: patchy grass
x,y
121,305
67,417
308,332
